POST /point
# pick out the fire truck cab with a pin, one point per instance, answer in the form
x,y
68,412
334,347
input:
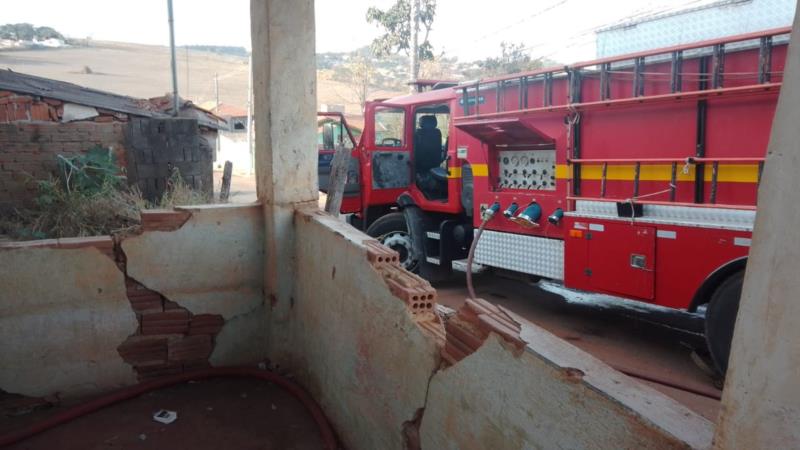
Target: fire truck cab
x,y
634,176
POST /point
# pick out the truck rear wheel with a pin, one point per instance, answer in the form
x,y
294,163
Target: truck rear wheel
x,y
391,230
721,318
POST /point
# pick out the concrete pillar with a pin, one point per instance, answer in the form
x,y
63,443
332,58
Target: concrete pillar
x,y
761,401
285,96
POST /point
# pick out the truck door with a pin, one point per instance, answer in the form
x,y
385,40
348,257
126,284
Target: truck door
x,y
332,133
386,159
622,259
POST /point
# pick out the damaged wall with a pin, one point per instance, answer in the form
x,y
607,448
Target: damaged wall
x,y
552,395
63,312
210,265
354,346
82,315
374,366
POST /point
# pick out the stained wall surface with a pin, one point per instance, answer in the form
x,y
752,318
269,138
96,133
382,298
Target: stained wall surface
x,y
63,312
354,345
80,316
380,379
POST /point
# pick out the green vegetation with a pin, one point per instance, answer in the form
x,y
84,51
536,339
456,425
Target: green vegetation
x,y
28,32
397,23
90,197
513,59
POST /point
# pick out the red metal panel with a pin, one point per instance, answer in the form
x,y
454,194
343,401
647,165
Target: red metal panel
x,y
612,249
505,132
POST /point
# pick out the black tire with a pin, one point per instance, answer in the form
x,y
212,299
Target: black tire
x,y
391,227
721,318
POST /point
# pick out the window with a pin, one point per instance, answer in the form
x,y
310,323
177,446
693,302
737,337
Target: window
x,y
442,114
389,127
331,132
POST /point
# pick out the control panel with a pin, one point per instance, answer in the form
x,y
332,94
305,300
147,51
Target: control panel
x,y
533,170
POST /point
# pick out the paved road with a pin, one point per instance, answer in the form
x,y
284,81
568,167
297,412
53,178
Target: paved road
x,y
644,345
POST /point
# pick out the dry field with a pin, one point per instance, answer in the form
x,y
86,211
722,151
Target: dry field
x,y
144,71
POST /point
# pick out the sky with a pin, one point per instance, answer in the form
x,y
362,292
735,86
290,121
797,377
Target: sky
x,y
562,30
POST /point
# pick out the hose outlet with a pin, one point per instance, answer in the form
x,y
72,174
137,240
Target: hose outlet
x,y
529,217
489,212
556,217
511,210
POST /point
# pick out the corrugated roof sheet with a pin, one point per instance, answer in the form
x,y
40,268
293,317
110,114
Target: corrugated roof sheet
x,y
73,93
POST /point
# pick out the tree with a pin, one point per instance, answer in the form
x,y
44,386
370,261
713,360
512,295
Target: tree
x,y
400,29
359,75
513,59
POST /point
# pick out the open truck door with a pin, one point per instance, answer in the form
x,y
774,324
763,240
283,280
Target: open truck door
x,y
332,133
386,158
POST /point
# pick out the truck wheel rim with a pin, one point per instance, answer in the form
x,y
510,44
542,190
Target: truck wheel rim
x,y
401,243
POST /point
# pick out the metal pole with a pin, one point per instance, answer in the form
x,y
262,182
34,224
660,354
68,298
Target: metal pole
x,y
250,116
216,91
172,53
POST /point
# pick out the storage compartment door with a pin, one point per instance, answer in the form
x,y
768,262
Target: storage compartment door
x,y
622,259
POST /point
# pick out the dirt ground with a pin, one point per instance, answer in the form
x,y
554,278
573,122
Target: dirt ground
x,y
212,414
647,347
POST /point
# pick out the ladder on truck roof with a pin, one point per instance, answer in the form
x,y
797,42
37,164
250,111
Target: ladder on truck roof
x,y
711,83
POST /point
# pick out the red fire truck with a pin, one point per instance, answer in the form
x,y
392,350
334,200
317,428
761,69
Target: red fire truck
x,y
634,176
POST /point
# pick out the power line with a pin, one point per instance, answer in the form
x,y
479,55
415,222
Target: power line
x,y
638,15
512,25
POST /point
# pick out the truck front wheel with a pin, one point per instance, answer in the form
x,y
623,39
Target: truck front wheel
x,y
391,230
721,318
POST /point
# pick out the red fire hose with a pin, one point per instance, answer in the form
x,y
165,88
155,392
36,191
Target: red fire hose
x,y
326,432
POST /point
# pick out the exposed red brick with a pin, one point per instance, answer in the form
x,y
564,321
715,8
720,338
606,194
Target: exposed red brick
x,y
6,93
210,324
167,322
104,119
40,111
103,243
469,328
20,112
146,302
164,219
190,348
144,350
379,253
52,101
418,294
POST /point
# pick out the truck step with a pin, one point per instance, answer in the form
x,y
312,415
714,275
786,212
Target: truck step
x,y
433,235
433,260
461,266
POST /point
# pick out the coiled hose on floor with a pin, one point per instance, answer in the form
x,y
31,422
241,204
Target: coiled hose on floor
x,y
326,432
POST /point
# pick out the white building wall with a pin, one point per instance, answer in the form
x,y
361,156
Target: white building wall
x,y
710,21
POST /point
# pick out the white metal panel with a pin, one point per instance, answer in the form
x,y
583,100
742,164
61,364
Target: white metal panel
x,y
709,21
531,169
520,253
729,219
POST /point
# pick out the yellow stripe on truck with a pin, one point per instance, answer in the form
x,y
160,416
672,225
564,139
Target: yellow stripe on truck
x,y
728,173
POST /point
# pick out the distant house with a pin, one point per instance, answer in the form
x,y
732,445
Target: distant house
x,y
233,142
41,118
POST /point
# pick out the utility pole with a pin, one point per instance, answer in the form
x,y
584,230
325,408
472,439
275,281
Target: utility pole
x,y
187,72
172,53
216,91
414,60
